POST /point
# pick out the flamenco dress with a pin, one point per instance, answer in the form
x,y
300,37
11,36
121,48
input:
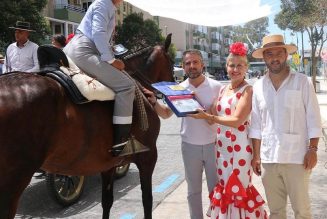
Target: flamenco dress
x,y
234,196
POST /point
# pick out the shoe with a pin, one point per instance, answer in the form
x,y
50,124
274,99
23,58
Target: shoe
x,y
121,134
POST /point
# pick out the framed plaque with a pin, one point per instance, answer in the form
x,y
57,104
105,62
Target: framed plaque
x,y
180,100
184,104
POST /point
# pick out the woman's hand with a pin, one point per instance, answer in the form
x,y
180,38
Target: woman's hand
x,y
199,115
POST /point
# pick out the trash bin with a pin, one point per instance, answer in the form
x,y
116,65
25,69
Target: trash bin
x,y
317,86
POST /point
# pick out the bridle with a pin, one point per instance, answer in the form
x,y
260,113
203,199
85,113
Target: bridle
x,y
138,75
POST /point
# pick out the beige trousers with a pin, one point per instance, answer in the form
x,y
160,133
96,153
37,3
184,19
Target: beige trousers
x,y
282,180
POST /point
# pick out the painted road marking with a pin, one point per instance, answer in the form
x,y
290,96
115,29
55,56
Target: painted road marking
x,y
128,216
160,188
166,184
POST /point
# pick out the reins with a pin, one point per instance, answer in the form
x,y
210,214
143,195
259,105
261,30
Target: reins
x,y
138,75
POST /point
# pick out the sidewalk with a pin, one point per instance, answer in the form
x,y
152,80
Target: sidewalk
x,y
175,205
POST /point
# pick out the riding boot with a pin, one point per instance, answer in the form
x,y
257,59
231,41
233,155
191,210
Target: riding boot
x,y
122,144
121,134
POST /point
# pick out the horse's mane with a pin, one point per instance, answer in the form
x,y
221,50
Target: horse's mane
x,y
133,54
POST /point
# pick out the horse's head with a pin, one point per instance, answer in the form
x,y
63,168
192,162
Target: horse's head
x,y
151,65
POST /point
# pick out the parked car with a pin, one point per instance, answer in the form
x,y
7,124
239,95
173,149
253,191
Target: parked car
x,y
207,74
179,74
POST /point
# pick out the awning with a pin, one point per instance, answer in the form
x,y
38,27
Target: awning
x,y
213,13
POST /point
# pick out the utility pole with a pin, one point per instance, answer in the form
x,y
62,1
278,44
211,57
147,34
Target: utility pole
x,y
302,50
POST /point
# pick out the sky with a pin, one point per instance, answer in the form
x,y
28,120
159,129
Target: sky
x,y
273,28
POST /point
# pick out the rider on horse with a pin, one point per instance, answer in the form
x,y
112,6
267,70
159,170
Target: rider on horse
x,y
91,50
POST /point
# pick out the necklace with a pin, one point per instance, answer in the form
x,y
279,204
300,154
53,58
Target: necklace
x,y
238,86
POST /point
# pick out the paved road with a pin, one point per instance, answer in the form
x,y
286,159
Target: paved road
x,y
168,174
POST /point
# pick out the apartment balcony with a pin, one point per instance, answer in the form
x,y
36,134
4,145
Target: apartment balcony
x,y
69,12
227,42
214,60
213,40
216,35
214,29
198,47
199,34
215,46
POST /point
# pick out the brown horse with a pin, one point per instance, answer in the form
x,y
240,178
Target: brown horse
x,y
40,127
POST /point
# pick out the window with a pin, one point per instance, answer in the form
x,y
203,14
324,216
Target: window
x,y
86,5
57,28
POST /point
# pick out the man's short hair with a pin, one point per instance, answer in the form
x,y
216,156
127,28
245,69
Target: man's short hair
x,y
192,51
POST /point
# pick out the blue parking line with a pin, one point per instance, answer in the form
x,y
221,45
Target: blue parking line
x,y
166,184
128,216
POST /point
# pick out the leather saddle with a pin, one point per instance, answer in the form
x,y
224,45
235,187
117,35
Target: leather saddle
x,y
50,60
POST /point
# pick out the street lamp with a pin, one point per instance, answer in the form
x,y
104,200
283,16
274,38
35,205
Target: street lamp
x,y
210,62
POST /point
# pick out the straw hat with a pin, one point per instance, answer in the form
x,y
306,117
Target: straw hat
x,y
1,57
22,25
273,41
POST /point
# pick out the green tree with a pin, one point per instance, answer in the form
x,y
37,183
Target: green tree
x,y
309,16
135,33
22,10
251,33
172,51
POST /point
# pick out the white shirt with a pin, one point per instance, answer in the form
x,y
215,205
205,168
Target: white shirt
x,y
98,25
21,59
285,119
198,131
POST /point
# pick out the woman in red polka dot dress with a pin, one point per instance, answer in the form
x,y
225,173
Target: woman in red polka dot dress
x,y
234,196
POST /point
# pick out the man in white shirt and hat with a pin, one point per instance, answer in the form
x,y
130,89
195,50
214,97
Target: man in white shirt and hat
x,y
22,54
285,129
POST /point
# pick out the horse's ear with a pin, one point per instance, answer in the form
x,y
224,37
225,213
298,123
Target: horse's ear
x,y
167,42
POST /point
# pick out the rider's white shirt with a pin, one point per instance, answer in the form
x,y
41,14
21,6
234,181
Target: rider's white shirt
x,y
98,25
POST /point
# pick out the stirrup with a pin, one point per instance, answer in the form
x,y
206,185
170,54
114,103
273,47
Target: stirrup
x,y
117,149
133,146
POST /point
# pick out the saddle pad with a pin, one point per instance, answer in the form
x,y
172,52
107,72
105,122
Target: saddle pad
x,y
89,87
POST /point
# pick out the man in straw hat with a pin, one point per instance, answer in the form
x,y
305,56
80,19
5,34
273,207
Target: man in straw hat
x,y
285,130
22,54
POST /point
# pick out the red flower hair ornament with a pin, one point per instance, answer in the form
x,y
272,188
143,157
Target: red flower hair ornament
x,y
238,49
69,37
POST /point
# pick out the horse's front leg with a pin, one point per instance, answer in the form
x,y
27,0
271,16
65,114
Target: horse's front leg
x,y
146,170
11,188
107,192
